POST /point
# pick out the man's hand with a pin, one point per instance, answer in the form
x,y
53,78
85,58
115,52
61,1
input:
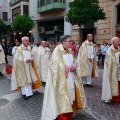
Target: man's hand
x,y
90,59
29,60
0,50
72,69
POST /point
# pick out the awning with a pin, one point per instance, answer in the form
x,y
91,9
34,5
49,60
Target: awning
x,y
7,34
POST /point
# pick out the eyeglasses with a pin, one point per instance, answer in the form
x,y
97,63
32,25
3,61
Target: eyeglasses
x,y
69,41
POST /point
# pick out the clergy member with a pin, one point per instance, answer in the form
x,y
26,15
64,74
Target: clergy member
x,y
15,48
87,61
111,73
34,52
24,75
43,60
2,61
64,92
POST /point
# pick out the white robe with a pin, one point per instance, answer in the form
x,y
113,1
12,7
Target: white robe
x,y
14,50
88,79
68,60
34,53
2,61
43,62
27,90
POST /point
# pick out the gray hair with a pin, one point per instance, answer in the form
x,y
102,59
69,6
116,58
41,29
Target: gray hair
x,y
64,38
114,39
24,38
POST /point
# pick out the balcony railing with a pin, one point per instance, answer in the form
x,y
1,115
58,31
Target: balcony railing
x,y
13,1
45,5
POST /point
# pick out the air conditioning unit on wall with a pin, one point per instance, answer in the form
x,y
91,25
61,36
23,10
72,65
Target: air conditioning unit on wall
x,y
56,28
42,29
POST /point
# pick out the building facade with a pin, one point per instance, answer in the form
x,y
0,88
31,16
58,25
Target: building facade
x,y
103,30
49,17
50,24
5,11
111,26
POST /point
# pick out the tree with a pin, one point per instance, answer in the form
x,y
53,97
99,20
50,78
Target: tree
x,y
22,23
3,26
84,12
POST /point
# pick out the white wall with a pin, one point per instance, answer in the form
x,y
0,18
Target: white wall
x,y
4,7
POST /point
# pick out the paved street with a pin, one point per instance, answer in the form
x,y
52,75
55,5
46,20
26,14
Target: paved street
x,y
13,107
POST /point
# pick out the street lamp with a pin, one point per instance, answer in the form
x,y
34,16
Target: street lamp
x,y
14,35
20,33
30,35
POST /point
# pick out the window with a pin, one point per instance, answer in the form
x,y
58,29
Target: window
x,y
25,10
5,16
118,14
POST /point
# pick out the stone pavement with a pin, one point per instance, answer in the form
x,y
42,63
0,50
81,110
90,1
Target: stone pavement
x,y
14,107
109,111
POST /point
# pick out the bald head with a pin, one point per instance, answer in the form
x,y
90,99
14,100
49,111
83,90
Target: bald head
x,y
43,44
115,42
25,41
90,37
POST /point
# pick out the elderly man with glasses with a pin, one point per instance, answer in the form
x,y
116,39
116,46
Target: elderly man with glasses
x,y
64,92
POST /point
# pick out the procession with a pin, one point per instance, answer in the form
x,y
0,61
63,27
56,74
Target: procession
x,y
59,61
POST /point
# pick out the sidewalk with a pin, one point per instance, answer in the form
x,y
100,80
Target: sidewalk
x,y
14,107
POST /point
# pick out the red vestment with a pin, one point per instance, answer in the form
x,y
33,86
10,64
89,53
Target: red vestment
x,y
117,98
66,116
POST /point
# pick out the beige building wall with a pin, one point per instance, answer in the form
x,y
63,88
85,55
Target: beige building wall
x,y
104,26
106,29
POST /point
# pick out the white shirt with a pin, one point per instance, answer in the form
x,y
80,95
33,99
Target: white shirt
x,y
14,50
90,50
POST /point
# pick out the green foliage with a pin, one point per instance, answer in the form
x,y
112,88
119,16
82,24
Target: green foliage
x,y
84,11
3,26
22,23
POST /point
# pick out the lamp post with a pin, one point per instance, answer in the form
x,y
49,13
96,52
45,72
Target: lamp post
x,y
30,32
14,35
20,33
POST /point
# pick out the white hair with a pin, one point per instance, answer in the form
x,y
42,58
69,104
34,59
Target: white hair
x,y
114,39
43,41
24,38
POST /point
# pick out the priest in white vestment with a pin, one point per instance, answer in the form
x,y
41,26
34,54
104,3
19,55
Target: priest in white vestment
x,y
2,61
15,48
111,73
64,93
34,52
43,60
24,75
87,61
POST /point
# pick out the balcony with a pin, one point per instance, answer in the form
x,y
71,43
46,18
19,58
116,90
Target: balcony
x,y
47,5
13,2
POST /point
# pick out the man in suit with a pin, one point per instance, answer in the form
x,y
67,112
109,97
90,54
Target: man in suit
x,y
4,46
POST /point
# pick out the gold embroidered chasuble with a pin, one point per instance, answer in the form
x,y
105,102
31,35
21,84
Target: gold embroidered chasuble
x,y
24,73
110,75
34,54
57,98
82,60
43,61
2,60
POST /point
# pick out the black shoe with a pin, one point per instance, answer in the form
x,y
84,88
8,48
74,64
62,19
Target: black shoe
x,y
26,98
1,74
87,85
